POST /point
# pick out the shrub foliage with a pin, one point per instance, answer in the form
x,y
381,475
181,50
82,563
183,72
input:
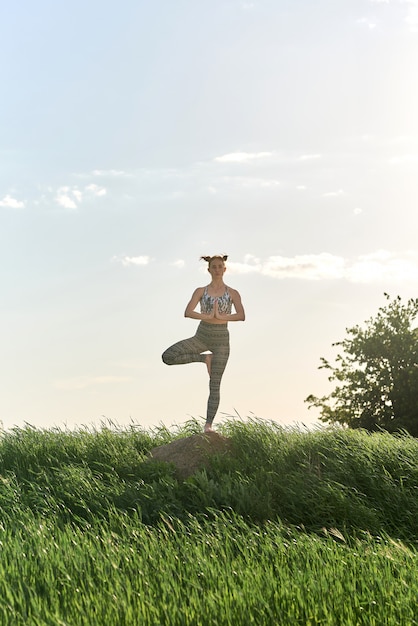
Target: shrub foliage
x,y
376,372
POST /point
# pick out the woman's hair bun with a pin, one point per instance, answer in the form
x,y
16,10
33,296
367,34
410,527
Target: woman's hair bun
x,y
208,259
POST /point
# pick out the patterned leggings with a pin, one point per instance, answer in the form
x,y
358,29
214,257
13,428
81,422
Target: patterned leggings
x,y
209,337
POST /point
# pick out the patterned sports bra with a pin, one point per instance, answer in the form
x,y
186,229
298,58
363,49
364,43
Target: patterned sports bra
x,y
207,302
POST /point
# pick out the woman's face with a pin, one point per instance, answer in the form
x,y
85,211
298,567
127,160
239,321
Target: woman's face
x,y
216,268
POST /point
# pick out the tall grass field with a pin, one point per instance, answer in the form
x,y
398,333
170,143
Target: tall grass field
x,y
293,527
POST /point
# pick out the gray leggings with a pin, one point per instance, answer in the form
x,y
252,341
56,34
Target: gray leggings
x,y
208,337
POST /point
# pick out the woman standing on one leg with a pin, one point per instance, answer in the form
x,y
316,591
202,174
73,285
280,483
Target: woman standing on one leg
x,y
212,336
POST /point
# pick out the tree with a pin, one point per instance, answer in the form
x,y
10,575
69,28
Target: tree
x,y
376,373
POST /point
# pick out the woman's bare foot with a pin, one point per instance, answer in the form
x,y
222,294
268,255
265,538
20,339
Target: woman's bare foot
x,y
208,361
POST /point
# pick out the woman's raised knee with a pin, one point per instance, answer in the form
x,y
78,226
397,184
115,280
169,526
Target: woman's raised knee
x,y
167,357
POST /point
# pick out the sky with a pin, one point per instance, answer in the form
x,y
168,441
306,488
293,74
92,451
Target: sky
x,y
137,136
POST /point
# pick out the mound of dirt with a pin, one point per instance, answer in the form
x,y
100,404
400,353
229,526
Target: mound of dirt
x,y
191,453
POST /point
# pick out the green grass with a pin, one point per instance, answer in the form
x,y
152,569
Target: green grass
x,y
293,528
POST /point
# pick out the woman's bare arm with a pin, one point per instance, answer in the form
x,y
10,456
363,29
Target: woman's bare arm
x,y
239,315
194,301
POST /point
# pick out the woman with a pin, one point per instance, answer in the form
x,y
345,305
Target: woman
x,y
210,344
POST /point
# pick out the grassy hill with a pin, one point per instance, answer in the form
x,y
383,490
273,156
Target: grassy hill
x,y
291,527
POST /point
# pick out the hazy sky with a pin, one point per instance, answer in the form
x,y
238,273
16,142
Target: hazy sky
x,y
136,136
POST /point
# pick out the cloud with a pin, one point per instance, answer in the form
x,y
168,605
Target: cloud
x,y
66,198
241,157
411,16
96,190
179,263
309,157
71,197
306,266
127,261
383,266
251,265
364,21
112,173
268,172
246,157
380,266
11,203
330,194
